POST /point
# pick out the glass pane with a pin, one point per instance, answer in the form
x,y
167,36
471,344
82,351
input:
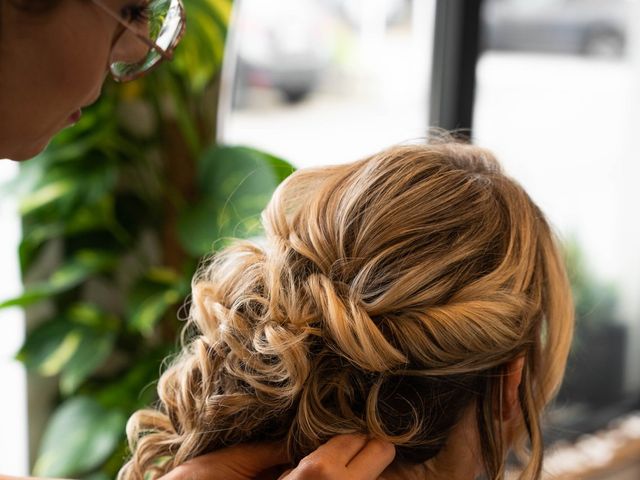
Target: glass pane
x,y
558,96
328,81
13,404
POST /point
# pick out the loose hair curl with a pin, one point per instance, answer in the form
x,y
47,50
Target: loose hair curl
x,y
388,298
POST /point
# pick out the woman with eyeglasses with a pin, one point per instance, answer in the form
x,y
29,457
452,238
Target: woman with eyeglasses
x,y
56,54
54,58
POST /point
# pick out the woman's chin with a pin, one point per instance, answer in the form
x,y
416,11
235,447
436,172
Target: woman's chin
x,y
26,152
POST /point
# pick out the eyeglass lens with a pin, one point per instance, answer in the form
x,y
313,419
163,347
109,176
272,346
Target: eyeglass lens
x,y
161,22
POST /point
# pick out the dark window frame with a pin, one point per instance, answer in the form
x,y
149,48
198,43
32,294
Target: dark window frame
x,y
455,53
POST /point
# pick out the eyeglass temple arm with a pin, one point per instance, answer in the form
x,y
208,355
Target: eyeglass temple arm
x,y
166,55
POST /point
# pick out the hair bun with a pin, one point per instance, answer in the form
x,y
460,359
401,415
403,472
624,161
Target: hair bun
x,y
354,334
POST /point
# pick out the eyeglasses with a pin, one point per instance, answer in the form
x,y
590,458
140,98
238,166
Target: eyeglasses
x,y
150,32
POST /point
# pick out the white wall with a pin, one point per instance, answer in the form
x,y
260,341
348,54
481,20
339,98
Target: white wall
x,y
13,401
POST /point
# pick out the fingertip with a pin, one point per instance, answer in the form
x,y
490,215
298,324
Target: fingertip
x,y
373,459
383,448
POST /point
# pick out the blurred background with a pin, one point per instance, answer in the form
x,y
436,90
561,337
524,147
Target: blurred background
x,y
551,86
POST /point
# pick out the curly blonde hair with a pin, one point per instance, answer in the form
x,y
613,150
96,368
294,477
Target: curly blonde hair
x,y
388,297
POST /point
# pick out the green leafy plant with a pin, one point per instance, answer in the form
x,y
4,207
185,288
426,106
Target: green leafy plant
x,y
596,366
595,300
117,213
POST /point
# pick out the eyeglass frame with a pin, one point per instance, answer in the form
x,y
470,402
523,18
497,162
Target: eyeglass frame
x,y
165,54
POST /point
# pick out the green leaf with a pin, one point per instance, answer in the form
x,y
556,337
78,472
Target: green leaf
x,y
97,476
185,120
33,295
91,216
47,194
73,350
237,183
162,275
79,437
92,316
34,239
64,188
94,348
147,314
83,265
227,170
111,467
134,388
223,10
49,347
199,56
198,227
152,296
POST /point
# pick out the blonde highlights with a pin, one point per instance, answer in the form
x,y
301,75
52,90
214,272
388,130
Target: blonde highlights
x,y
389,296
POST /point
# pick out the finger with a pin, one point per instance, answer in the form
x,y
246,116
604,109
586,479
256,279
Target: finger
x,y
371,461
285,474
341,448
237,462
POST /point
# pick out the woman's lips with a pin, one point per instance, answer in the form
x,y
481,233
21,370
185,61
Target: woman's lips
x,y
74,117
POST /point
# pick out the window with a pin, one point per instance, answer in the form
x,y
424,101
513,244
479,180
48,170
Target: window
x,y
557,98
13,414
323,82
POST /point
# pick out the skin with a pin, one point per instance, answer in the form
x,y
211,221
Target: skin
x,y
354,457
351,456
53,64
461,458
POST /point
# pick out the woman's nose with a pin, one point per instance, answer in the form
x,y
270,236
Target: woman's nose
x,y
130,48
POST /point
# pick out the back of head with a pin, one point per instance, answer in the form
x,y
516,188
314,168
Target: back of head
x,y
388,298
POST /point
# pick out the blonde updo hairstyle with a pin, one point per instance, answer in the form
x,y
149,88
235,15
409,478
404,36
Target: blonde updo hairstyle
x,y
388,297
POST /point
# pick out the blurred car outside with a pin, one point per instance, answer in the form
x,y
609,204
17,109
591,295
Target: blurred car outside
x,y
291,46
353,11
595,28
282,44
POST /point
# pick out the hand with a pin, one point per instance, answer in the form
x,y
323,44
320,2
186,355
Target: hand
x,y
345,457
352,457
240,462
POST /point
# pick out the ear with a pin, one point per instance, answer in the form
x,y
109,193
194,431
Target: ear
x,y
511,382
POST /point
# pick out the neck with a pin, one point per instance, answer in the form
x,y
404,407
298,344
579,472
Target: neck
x,y
459,459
